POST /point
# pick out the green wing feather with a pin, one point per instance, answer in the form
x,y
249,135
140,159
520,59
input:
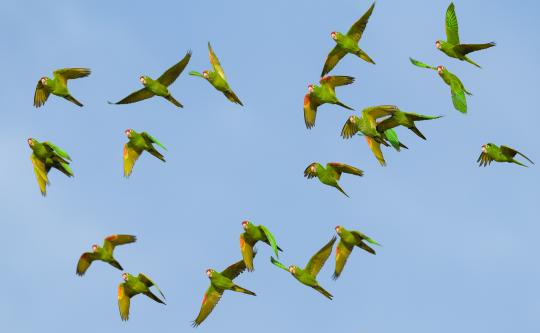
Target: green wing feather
x,y
332,59
41,94
342,254
112,241
130,157
172,73
375,112
246,247
84,262
387,124
317,261
41,174
136,96
236,269
392,137
357,29
215,62
124,299
195,73
468,48
271,239
452,29
360,236
278,264
309,173
376,150
342,167
458,96
57,150
210,300
310,111
484,159
152,139
350,128
336,80
421,64
511,152
65,74
149,283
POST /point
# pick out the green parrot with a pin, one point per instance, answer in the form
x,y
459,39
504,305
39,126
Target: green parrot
x,y
349,239
308,275
58,85
104,253
158,87
457,89
217,77
405,119
139,142
325,93
134,285
251,235
219,282
331,174
367,126
452,47
46,156
348,43
491,152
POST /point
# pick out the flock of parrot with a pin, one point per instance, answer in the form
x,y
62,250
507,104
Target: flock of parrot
x,y
376,123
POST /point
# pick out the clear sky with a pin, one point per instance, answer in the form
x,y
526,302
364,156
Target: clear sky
x,y
460,243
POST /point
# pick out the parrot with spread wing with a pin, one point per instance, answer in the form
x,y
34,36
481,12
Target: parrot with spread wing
x,y
104,253
46,155
58,85
491,152
457,89
251,235
367,126
348,240
331,174
452,46
217,77
158,87
139,142
219,282
348,43
325,93
308,275
134,285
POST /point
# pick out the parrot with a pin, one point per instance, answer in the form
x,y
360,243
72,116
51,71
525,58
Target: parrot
x,y
452,47
348,43
252,235
349,239
158,87
308,275
367,126
491,152
139,142
134,285
58,85
331,174
217,77
46,156
405,119
219,282
104,253
325,93
456,86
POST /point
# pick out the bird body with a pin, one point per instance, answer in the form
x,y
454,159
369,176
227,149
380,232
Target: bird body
x,y
331,174
103,253
348,240
492,152
46,155
132,286
137,144
250,237
58,85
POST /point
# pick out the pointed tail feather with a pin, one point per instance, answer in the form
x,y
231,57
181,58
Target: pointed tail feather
x,y
363,55
116,264
519,163
344,106
472,62
242,290
417,132
157,154
324,292
341,190
73,100
231,96
154,297
174,101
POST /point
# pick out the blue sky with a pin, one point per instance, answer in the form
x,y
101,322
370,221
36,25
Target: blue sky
x,y
460,243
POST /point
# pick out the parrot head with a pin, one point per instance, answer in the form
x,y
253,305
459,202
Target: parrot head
x,y
128,132
338,229
292,269
31,142
438,44
484,148
94,248
310,88
143,79
313,168
209,272
205,74
125,276
352,120
44,80
440,69
245,224
333,34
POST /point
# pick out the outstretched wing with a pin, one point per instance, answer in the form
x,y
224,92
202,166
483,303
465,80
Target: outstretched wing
x,y
215,62
150,138
333,58
130,157
335,81
452,29
112,241
387,124
57,150
317,261
357,29
421,64
511,152
246,247
41,94
376,150
468,48
209,302
65,74
236,269
484,159
342,254
344,168
124,295
149,283
350,128
172,73
270,239
310,110
309,173
84,262
137,96
41,173
375,112
458,95
278,264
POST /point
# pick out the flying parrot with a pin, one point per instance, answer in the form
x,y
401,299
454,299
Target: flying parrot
x,y
139,142
325,93
104,253
348,43
158,87
308,275
45,155
217,77
457,89
367,126
331,174
349,239
134,285
491,152
452,47
251,235
219,282
58,85
405,119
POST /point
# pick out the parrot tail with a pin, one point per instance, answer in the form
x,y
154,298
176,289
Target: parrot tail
x,y
242,290
324,292
341,190
65,169
417,132
116,264
174,101
73,100
518,163
472,62
365,247
363,55
154,297
344,106
232,97
157,154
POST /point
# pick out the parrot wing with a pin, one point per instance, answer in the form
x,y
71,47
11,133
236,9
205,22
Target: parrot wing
x,y
376,150
41,173
357,29
209,302
41,94
387,124
421,64
278,264
375,112
342,254
310,110
236,269
335,81
124,299
112,241
484,159
172,73
360,237
65,74
458,95
57,150
317,261
246,247
136,96
468,48
332,59
452,28
149,283
511,152
340,168
270,239
350,128
215,62
309,173
130,157
150,138
84,262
